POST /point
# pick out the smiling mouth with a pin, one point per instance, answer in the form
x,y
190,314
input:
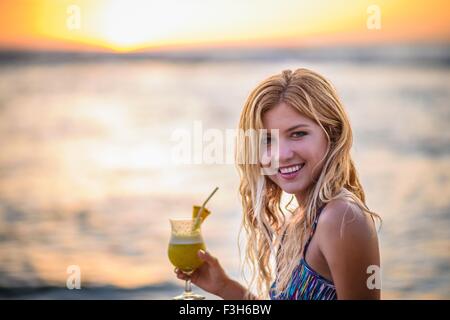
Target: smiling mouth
x,y
291,170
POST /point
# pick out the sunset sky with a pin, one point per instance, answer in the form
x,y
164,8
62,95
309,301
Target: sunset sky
x,y
127,25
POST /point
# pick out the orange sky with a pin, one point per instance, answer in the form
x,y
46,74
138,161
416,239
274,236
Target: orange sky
x,y
127,25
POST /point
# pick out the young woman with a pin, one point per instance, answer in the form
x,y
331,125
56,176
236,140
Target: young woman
x,y
327,247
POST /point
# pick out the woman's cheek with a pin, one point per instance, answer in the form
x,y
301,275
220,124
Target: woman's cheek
x,y
317,168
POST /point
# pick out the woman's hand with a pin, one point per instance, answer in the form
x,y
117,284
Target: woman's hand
x,y
210,276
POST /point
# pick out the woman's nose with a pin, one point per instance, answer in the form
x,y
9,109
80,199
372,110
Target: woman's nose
x,y
285,152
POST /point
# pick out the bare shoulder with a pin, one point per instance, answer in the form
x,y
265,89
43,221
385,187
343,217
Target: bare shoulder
x,y
342,219
348,242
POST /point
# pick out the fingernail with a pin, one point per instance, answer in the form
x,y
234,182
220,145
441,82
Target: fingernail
x,y
201,252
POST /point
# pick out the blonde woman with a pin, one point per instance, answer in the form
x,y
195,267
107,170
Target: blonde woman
x,y
325,247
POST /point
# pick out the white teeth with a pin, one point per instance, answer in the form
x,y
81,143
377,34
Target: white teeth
x,y
290,169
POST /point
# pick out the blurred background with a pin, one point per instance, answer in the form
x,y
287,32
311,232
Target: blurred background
x,y
92,91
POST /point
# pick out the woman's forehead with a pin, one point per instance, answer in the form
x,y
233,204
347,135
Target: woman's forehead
x,y
284,117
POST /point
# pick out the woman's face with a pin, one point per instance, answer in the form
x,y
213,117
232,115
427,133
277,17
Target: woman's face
x,y
302,146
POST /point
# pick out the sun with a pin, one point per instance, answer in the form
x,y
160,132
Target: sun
x,y
129,26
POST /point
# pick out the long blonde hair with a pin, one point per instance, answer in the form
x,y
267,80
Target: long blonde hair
x,y
263,218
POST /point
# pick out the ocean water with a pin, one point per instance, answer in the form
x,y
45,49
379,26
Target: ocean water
x,y
88,176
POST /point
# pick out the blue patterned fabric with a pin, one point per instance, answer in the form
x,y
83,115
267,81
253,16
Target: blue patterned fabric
x,y
306,284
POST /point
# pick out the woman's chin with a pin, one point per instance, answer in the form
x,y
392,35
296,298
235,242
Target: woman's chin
x,y
291,189
297,187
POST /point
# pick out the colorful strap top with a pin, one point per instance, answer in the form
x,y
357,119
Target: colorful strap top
x,y
306,284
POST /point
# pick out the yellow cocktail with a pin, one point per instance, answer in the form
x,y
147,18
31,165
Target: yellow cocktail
x,y
185,242
184,255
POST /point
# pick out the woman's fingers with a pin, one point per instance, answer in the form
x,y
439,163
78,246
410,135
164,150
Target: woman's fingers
x,y
180,274
207,257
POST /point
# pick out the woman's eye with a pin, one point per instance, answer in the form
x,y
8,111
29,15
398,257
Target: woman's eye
x,y
299,134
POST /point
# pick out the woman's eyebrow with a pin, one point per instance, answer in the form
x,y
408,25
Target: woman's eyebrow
x,y
297,126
